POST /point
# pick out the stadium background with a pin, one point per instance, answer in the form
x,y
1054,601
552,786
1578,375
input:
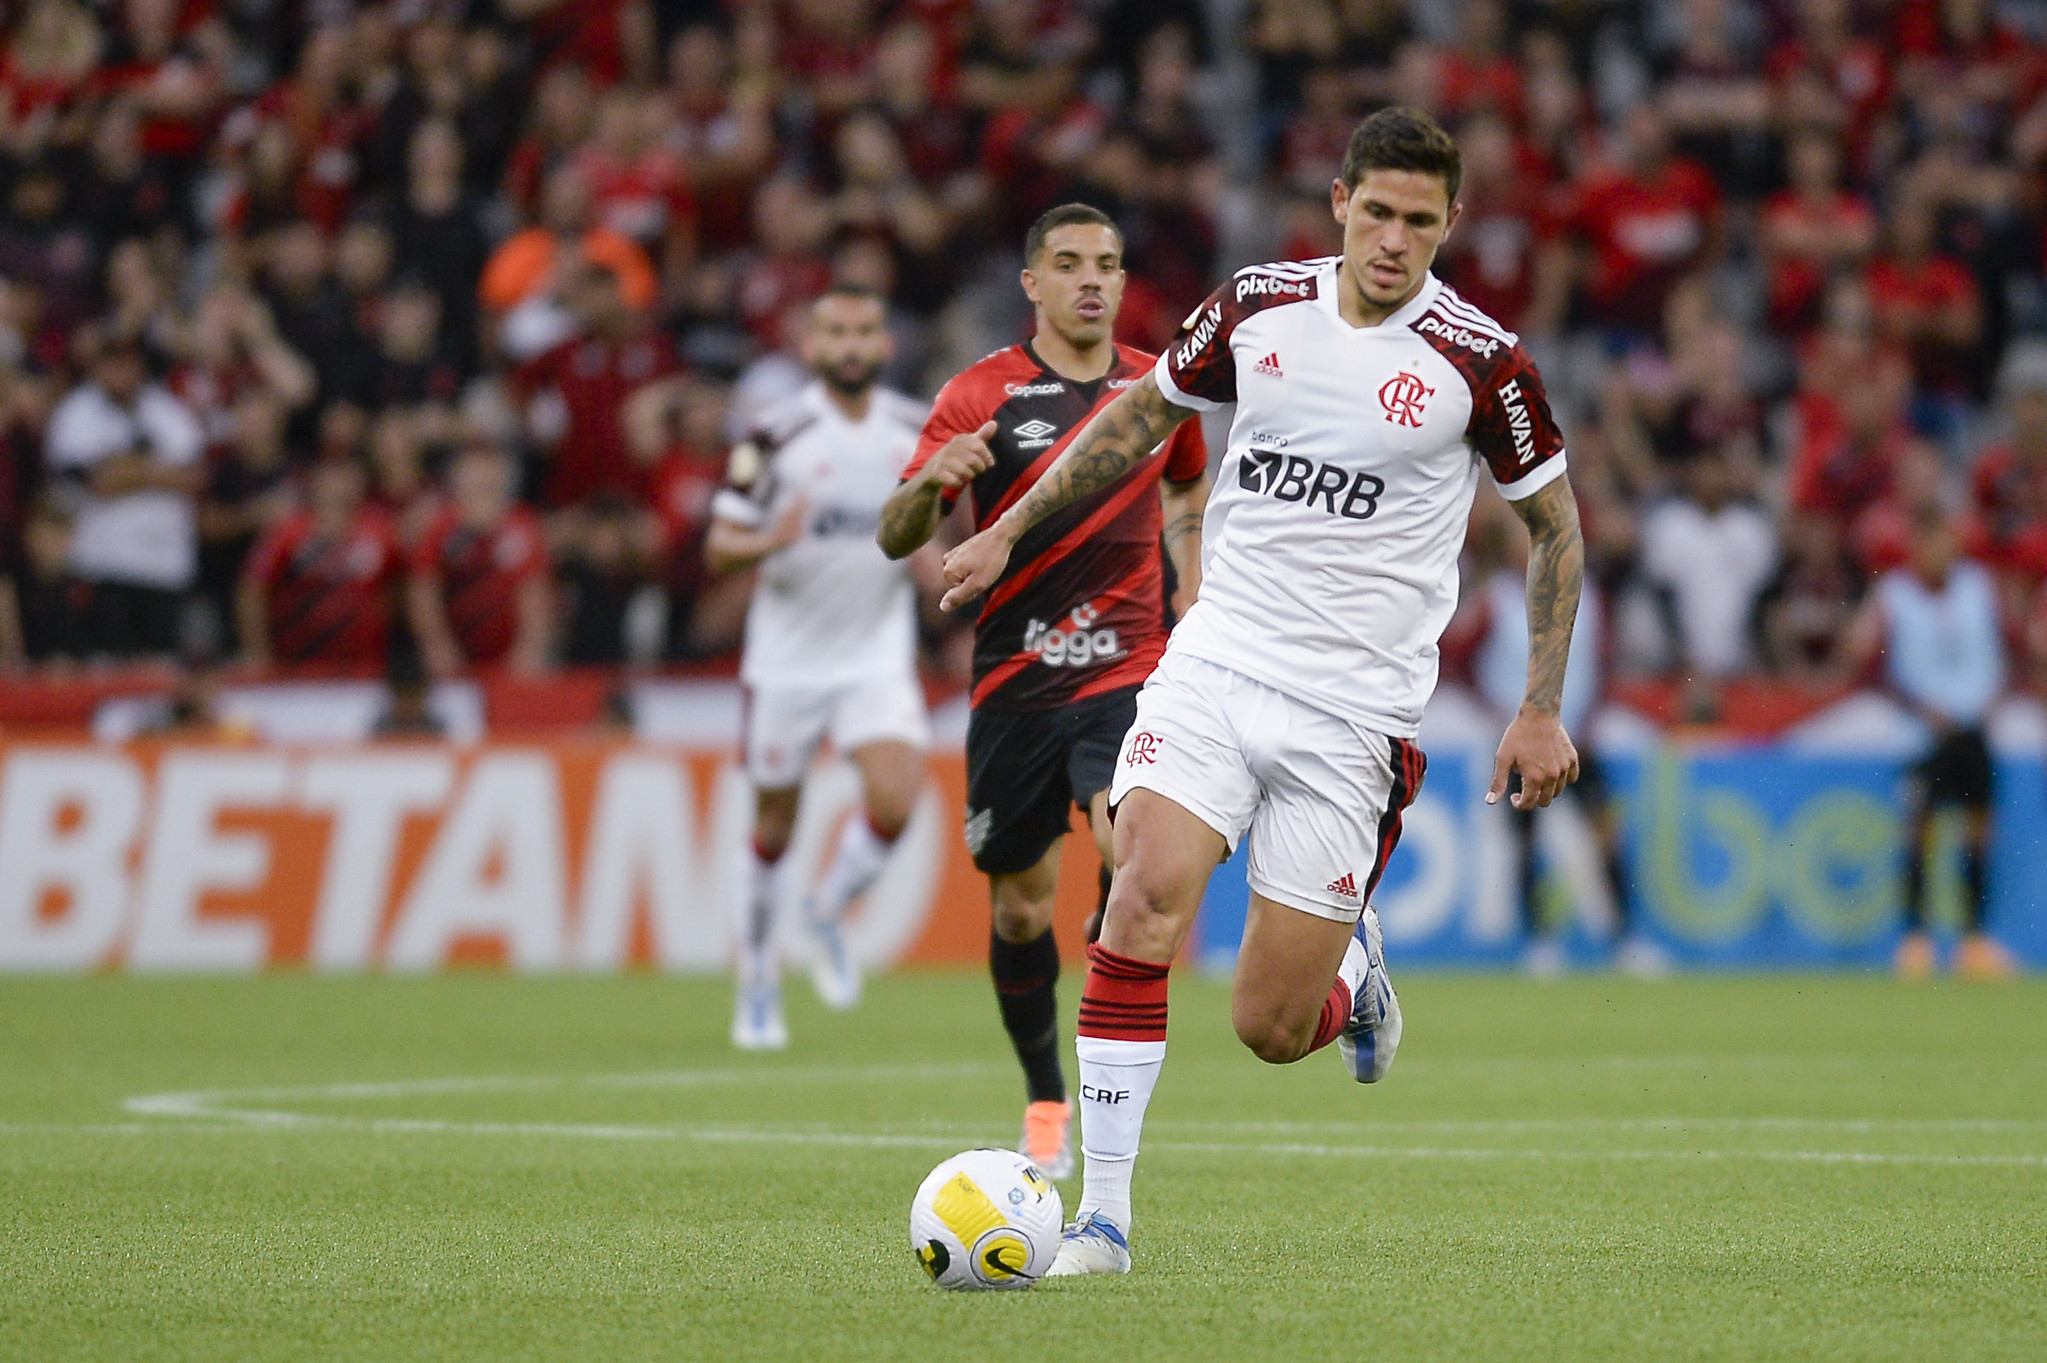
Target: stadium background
x,y
1781,263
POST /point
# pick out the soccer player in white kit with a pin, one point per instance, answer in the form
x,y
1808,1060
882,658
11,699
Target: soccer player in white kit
x,y
831,637
1368,397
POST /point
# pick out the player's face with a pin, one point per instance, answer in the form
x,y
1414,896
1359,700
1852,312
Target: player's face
x,y
848,342
1077,283
1393,223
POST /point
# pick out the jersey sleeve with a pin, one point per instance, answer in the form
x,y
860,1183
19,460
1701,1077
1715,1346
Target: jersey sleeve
x,y
1197,370
1513,431
953,413
1186,453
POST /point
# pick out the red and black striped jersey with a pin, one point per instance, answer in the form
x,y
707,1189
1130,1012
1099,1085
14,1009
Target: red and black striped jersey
x,y
1080,609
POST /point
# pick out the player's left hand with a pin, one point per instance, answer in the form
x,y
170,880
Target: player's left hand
x,y
972,567
1535,745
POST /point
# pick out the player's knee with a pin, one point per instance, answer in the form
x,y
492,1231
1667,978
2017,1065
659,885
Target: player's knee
x,y
888,817
1270,1038
1021,917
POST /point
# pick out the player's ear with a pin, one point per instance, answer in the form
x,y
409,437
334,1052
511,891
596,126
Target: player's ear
x,y
1456,212
1339,201
1029,280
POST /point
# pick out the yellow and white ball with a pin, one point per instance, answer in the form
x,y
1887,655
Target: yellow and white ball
x,y
986,1220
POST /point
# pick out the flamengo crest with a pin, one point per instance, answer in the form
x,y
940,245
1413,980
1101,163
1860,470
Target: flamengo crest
x,y
1403,396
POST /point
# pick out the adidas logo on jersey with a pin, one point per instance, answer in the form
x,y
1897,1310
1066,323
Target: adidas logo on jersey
x,y
1269,366
1345,885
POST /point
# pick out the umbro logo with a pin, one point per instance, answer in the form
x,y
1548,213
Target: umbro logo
x,y
1269,366
1031,430
1345,885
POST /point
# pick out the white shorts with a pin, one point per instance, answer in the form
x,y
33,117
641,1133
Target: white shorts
x,y
785,724
1320,796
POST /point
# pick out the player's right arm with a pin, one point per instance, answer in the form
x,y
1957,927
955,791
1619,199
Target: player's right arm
x,y
950,453
1115,440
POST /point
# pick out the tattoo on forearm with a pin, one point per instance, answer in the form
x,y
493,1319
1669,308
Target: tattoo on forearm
x,y
1556,575
1119,438
908,519
1181,526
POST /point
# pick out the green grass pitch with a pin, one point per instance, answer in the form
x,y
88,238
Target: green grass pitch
x,y
487,1167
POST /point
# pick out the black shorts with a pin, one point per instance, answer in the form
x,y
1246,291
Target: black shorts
x,y
1026,769
1956,772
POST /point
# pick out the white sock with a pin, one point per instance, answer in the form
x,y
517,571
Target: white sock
x,y
1354,968
1116,1080
757,957
856,861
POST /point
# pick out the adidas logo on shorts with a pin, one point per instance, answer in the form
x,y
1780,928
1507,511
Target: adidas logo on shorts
x,y
1345,885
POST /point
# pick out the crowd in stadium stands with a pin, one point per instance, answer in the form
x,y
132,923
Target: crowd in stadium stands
x,y
332,330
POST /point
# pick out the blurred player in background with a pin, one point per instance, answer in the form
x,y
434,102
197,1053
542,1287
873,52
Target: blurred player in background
x,y
1935,622
1368,396
831,638
1073,627
1500,669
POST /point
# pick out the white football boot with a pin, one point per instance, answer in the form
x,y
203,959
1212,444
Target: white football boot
x,y
832,972
757,1023
1091,1245
1372,1035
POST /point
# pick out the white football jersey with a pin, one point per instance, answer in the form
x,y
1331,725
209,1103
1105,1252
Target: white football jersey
x,y
831,608
1340,508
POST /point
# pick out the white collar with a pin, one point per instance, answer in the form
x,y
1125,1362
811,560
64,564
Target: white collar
x,y
1408,312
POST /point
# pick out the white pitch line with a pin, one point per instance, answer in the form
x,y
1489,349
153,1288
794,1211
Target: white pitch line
x,y
220,1110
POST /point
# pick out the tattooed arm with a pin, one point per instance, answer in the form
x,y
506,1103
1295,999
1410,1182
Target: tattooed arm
x,y
1183,505
1535,744
1117,439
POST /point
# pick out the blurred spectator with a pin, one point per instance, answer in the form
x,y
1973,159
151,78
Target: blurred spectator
x,y
1643,222
128,458
248,489
1709,553
1812,231
576,395
479,590
2009,487
320,585
1935,624
598,576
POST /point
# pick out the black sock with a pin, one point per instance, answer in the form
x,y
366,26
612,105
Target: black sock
x,y
1026,989
1915,888
1973,872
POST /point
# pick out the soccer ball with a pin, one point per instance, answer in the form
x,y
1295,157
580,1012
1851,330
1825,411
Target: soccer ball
x,y
985,1220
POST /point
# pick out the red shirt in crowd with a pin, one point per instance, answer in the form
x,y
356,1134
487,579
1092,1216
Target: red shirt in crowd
x,y
1908,295
2010,496
680,489
329,596
480,573
1797,284
592,378
1643,233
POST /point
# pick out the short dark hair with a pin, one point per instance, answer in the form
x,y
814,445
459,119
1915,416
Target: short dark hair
x,y
1065,215
1400,138
848,288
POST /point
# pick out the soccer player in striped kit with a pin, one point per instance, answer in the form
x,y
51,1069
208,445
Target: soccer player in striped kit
x,y
1072,628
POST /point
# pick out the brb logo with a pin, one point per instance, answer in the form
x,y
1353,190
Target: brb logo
x,y
1403,396
1291,478
1075,646
1144,749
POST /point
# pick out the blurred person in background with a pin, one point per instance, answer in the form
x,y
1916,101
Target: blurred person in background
x,y
575,397
1498,586
1934,623
127,457
479,594
831,638
320,587
1709,552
